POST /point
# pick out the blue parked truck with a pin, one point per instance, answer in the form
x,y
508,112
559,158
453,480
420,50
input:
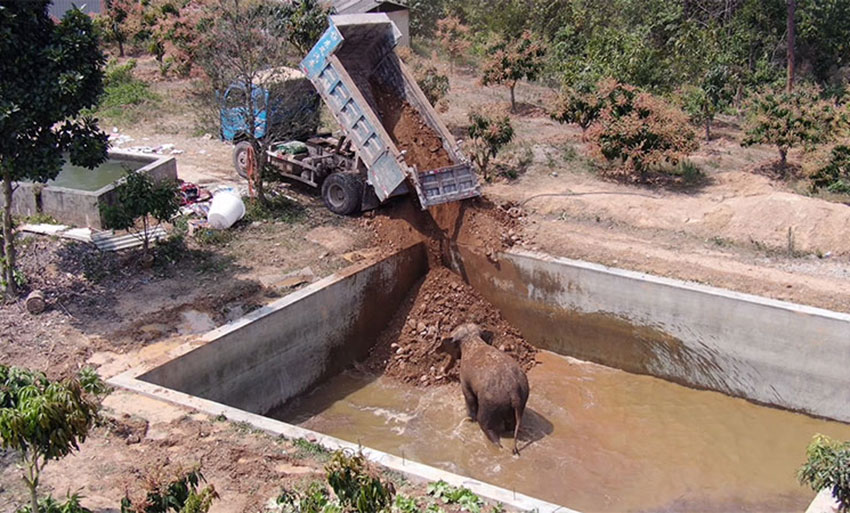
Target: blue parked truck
x,y
364,167
285,105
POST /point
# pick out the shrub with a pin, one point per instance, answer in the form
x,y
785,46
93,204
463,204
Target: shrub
x,y
357,485
314,499
434,84
122,91
141,200
461,496
51,505
487,134
579,106
792,119
639,130
827,466
835,176
276,208
179,493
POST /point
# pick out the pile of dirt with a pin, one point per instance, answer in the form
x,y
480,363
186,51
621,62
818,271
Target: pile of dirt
x,y
423,147
406,350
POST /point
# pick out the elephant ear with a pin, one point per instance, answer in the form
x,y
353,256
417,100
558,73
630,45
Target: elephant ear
x,y
487,336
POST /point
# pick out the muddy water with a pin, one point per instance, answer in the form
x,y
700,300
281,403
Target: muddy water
x,y
80,178
594,439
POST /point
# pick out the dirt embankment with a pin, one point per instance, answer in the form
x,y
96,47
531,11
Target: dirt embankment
x,y
423,147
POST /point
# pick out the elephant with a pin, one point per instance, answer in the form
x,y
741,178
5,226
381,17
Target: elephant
x,y
494,386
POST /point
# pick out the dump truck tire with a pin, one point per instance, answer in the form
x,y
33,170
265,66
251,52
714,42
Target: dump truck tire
x,y
240,158
343,193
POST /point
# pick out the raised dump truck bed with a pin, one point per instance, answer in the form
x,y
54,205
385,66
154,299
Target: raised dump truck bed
x,y
395,131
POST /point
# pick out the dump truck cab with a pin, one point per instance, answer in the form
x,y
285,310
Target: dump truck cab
x,y
285,106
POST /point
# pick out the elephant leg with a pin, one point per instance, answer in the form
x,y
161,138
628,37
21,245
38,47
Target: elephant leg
x,y
518,415
491,433
489,422
471,401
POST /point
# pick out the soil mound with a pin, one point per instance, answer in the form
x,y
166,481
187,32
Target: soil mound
x,y
406,350
410,132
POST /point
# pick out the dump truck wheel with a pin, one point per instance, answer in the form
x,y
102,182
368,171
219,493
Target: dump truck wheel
x,y
240,158
343,193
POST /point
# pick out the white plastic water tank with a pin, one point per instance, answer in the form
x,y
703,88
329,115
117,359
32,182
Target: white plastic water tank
x,y
226,208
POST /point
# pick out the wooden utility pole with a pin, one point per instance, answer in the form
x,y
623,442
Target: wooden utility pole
x,y
792,7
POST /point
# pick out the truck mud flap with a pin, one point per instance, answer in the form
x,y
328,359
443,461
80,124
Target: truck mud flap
x,y
447,184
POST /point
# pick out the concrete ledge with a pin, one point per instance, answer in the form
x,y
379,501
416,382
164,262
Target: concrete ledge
x,y
280,350
772,352
407,467
277,352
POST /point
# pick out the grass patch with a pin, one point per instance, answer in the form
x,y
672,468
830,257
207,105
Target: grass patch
x,y
213,237
276,208
125,98
307,449
213,264
39,218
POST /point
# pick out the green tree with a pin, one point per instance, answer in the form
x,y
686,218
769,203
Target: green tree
x,y
45,420
50,73
487,135
249,44
301,22
824,36
117,12
792,119
424,15
142,201
510,61
827,466
713,94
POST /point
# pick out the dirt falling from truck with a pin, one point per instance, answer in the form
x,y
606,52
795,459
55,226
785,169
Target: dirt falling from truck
x,y
406,350
424,148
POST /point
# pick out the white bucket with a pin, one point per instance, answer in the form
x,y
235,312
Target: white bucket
x,y
226,208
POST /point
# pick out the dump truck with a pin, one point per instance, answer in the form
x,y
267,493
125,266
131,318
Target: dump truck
x,y
370,93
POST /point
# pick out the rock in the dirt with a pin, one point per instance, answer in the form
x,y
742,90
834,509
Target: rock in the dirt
x,y
35,302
